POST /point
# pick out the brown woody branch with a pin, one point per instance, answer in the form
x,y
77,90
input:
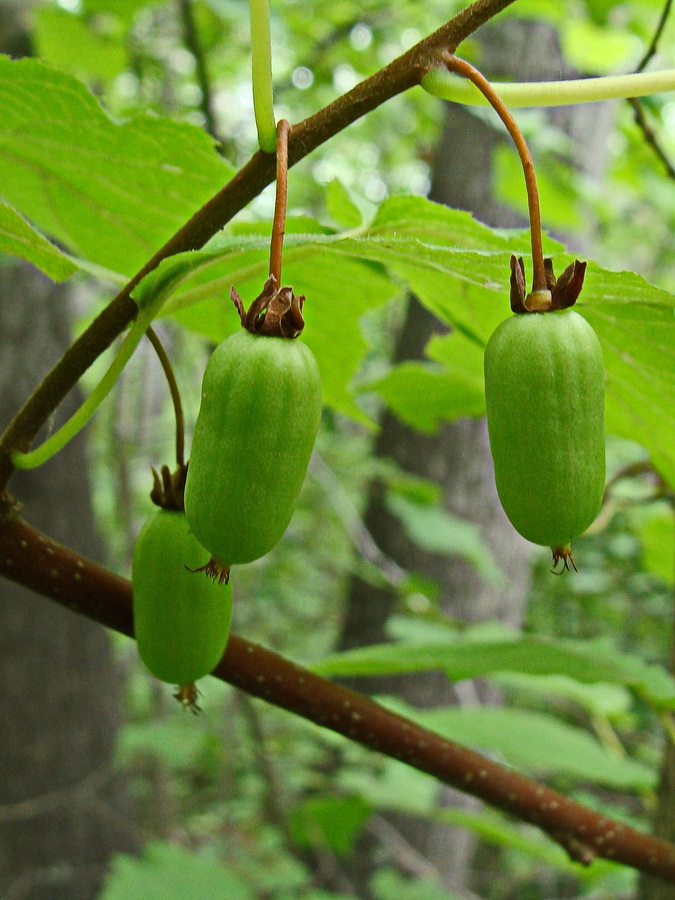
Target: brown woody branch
x,y
35,561
403,73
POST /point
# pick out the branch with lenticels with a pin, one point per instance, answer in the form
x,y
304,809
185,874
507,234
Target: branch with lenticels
x,y
59,573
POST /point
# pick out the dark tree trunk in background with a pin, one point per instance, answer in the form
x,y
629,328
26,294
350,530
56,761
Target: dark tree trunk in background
x,y
458,457
60,816
61,808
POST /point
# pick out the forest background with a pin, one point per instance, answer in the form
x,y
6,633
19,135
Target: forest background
x,y
108,789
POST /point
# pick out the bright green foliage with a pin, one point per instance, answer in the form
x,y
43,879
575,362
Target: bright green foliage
x,y
19,238
181,617
100,187
170,872
258,420
544,390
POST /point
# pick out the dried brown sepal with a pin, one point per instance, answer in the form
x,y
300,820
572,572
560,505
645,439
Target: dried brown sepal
x,y
560,293
276,311
563,555
169,487
517,284
187,695
215,570
567,288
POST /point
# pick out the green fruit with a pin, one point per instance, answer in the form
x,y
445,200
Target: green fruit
x,y
258,420
544,390
181,617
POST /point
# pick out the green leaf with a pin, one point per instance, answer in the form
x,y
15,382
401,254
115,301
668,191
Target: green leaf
x,y
333,822
635,322
388,884
427,394
58,33
599,699
431,249
168,872
341,207
588,662
113,193
339,290
656,531
537,742
17,237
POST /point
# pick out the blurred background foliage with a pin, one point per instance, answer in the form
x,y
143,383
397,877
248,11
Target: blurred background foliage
x,y
245,796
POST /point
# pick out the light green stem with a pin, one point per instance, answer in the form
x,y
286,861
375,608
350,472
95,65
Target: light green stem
x,y
261,62
34,458
444,84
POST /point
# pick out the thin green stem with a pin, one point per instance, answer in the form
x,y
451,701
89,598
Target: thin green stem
x,y
261,66
165,362
447,86
462,67
34,458
280,201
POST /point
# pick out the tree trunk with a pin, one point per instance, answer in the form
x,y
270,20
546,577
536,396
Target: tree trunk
x,y
458,456
60,819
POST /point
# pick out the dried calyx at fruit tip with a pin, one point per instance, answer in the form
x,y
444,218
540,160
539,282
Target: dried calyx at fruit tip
x,y
276,312
168,487
560,293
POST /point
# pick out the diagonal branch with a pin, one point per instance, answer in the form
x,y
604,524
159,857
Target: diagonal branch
x,y
35,561
403,73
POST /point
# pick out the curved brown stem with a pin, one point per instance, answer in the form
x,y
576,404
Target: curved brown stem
x,y
462,67
280,201
165,362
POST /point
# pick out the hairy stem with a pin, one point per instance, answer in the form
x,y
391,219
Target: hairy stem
x,y
170,376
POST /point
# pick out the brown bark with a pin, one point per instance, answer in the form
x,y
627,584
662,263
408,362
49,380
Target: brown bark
x,y
59,816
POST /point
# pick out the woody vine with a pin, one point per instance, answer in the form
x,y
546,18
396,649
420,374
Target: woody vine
x,y
59,573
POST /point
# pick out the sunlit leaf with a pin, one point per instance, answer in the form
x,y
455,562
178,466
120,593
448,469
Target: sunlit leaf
x,y
18,238
113,193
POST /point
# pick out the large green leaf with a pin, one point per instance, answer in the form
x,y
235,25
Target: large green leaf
x,y
339,290
169,872
537,742
113,193
458,269
635,322
587,662
20,239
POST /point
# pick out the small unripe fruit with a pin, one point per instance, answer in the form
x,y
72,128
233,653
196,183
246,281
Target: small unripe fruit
x,y
258,420
544,391
181,617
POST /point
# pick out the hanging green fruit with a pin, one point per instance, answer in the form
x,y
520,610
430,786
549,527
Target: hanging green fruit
x,y
181,619
258,420
544,390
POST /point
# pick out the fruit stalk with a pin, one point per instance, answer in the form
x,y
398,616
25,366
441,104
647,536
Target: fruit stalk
x,y
462,67
280,201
